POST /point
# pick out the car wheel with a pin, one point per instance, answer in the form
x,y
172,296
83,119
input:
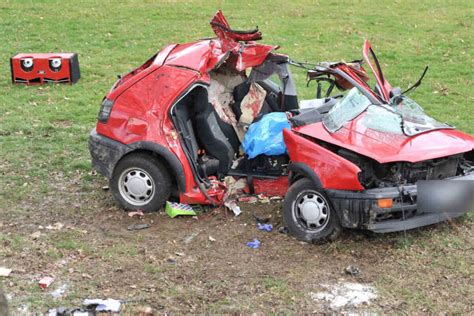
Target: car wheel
x,y
140,182
308,213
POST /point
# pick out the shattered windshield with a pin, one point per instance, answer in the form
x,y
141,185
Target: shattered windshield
x,y
351,106
415,120
401,116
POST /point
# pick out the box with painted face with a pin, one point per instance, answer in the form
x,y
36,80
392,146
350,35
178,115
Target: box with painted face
x,y
40,68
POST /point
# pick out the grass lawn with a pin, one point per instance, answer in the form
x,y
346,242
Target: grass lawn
x,y
45,170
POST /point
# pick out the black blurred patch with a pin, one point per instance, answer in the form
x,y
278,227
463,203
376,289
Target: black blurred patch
x,y
449,197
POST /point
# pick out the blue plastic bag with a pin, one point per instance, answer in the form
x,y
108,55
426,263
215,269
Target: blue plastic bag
x,y
265,227
254,244
266,136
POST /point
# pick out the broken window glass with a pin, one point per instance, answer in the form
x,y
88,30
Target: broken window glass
x,y
415,120
351,106
401,116
382,120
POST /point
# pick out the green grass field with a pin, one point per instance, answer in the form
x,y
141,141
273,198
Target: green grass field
x,y
45,170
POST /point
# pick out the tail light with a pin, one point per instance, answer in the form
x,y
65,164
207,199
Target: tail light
x,y
105,110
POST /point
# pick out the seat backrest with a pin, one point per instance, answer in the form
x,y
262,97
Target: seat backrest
x,y
183,115
269,105
210,133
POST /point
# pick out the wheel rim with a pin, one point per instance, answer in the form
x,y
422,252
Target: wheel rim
x,y
136,186
311,210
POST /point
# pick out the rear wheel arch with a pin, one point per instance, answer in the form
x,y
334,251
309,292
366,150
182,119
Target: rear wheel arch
x,y
166,158
140,181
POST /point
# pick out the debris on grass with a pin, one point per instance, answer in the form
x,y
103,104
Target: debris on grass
x,y
60,311
265,227
232,205
262,198
138,226
187,240
59,292
254,244
248,199
5,272
55,226
108,305
283,230
212,239
171,260
175,209
105,188
136,213
35,235
45,282
86,276
352,270
345,295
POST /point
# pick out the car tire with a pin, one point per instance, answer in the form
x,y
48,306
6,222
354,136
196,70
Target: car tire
x,y
308,213
140,182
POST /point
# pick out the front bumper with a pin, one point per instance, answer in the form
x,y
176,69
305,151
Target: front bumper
x,y
361,210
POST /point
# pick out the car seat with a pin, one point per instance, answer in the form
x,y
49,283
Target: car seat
x,y
240,91
218,139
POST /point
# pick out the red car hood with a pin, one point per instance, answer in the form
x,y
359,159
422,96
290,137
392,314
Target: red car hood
x,y
387,147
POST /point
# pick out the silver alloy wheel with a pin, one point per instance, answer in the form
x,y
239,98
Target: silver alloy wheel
x,y
311,210
136,186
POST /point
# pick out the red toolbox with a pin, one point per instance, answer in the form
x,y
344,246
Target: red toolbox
x,y
42,68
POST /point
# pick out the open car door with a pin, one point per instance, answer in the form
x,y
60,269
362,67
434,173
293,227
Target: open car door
x,y
383,85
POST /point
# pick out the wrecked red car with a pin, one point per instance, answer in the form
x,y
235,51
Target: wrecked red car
x,y
355,156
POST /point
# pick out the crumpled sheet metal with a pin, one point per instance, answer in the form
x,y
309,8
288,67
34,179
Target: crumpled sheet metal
x,y
268,68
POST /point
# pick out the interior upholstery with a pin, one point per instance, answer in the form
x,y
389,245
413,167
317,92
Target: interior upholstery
x,y
210,133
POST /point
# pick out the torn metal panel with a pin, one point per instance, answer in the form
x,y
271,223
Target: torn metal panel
x,y
270,67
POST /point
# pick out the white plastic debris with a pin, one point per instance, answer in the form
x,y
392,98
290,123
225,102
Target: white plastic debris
x,y
345,295
59,292
232,205
4,272
108,305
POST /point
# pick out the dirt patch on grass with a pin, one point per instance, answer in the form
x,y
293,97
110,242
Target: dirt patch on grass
x,y
203,264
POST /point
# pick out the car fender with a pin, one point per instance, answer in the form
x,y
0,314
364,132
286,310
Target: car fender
x,y
332,171
301,169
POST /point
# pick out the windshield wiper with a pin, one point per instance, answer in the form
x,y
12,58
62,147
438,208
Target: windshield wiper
x,y
416,83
